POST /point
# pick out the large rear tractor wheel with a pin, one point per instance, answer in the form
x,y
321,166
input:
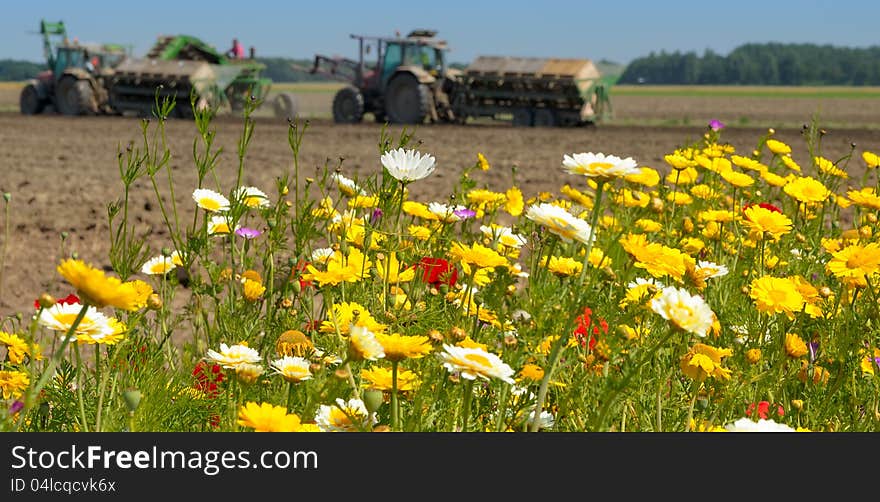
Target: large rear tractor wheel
x,y
285,106
29,101
407,101
348,106
75,97
545,118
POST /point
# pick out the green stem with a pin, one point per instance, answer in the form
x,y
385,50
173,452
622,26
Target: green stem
x,y
594,220
79,391
695,389
394,411
290,396
466,405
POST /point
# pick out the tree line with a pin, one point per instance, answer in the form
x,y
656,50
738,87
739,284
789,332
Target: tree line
x,y
760,64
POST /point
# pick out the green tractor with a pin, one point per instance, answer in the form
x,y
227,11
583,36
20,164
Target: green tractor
x,y
243,80
75,81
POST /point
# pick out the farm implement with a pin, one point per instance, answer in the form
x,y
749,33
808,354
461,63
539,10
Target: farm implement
x,y
407,80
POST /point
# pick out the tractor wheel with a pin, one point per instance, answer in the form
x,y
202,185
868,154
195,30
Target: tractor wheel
x,y
75,97
407,101
285,106
544,118
522,117
348,106
29,102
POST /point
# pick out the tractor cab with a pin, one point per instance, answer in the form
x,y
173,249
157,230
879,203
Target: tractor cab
x,y
418,50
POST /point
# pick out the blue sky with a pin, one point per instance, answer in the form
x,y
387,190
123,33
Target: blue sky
x,y
608,29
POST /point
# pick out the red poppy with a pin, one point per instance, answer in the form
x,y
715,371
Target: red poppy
x,y
67,300
583,330
437,271
207,377
764,410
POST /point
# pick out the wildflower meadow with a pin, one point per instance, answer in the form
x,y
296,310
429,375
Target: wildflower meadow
x,y
722,291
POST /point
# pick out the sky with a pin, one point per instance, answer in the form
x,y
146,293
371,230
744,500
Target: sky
x,y
615,30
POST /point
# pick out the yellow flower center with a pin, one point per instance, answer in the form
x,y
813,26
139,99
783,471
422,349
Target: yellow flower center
x,y
209,204
477,358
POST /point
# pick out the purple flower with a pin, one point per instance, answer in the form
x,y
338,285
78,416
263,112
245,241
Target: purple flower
x,y
716,125
814,348
464,213
377,213
877,361
16,407
247,232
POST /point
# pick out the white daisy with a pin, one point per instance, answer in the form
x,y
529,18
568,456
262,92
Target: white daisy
x,y
504,235
475,362
408,165
159,265
292,368
560,222
252,197
599,165
351,416
708,270
219,225
444,212
746,424
321,255
347,186
690,313
93,327
364,344
210,200
231,357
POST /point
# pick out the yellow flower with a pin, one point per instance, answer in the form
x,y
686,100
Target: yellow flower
x,y
869,363
678,161
630,198
704,192
753,356
715,164
683,176
381,379
704,361
762,222
656,258
795,346
364,201
872,160
394,274
16,347
866,197
790,163
806,189
531,372
854,263
253,290
828,167
747,163
343,315
646,176
774,295
13,383
477,255
774,179
648,225
100,290
418,210
248,373
420,232
515,203
266,417
679,198
562,266
778,147
399,347
737,179
716,215
482,162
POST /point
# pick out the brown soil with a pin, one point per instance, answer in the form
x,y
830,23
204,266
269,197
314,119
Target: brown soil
x,y
62,172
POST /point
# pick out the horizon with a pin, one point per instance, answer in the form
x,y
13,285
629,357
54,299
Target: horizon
x,y
520,29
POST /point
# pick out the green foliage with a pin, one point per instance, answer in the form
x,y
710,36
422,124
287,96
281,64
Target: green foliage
x,y
15,71
760,64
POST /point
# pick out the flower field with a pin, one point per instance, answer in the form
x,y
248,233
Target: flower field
x,y
728,290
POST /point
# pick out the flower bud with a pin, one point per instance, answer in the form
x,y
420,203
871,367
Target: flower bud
x,y
436,336
341,374
871,217
753,355
132,399
373,400
797,404
46,301
457,334
154,302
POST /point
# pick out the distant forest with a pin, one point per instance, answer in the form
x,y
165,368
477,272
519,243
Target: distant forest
x,y
760,64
